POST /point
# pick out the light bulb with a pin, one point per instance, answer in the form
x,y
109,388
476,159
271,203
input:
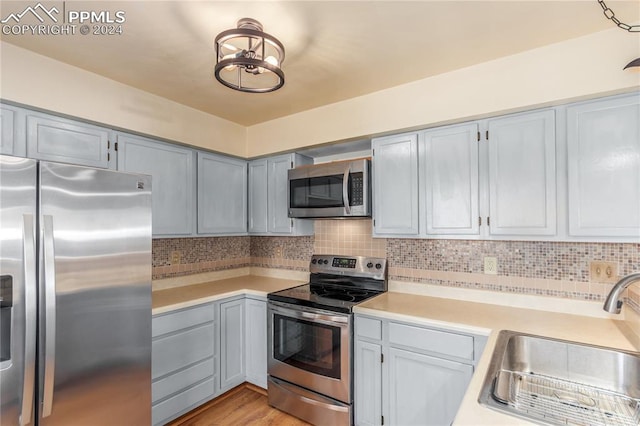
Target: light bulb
x,y
271,60
229,67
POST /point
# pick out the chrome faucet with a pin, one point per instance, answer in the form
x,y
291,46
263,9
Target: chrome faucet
x,y
614,302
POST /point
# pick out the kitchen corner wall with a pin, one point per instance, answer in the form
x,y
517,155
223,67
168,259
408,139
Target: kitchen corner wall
x,y
557,269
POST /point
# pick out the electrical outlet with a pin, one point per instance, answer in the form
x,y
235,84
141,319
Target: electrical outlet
x,y
490,265
175,257
603,272
278,251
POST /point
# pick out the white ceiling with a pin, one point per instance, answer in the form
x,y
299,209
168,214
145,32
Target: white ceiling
x,y
335,50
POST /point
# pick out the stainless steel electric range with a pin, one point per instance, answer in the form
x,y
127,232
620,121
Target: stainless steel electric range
x,y
311,337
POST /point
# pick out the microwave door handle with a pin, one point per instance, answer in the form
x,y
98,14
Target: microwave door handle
x,y
345,190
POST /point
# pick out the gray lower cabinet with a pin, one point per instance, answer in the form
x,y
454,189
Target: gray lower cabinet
x,y
256,341
172,174
200,352
12,130
407,374
59,139
184,360
232,343
425,390
368,383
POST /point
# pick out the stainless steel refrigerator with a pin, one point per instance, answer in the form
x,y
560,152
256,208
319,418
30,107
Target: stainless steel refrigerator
x,y
75,289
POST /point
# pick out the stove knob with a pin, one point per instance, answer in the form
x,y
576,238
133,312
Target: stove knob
x,y
314,261
369,265
378,266
326,262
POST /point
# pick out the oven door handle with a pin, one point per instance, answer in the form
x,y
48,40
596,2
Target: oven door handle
x,y
340,319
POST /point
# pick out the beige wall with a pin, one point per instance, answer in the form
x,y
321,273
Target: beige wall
x,y
584,67
42,82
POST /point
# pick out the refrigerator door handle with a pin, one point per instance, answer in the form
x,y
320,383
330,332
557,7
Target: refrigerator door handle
x,y
29,256
50,314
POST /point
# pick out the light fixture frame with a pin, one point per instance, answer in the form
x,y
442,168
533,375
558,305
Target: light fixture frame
x,y
633,64
249,28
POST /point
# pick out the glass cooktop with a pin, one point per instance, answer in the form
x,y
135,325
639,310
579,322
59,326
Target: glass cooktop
x,y
333,298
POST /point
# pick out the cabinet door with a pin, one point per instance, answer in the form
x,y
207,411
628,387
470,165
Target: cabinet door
x,y
256,341
12,130
171,170
232,349
222,195
424,390
603,141
258,195
279,221
395,185
522,174
368,383
58,139
449,176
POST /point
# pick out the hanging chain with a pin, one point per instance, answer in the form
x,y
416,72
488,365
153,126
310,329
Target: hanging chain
x,y
610,15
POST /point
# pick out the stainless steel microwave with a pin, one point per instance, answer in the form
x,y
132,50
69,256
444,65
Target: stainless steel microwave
x,y
337,189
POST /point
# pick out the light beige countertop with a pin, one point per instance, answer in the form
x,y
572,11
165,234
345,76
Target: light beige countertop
x,y
487,319
189,295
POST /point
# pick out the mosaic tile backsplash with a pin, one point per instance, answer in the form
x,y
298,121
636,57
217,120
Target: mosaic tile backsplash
x,y
197,255
557,269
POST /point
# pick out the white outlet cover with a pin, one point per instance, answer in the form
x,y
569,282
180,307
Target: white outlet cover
x,y
490,265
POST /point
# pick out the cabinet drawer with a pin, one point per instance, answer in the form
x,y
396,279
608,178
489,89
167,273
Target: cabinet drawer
x,y
178,404
369,328
182,379
448,344
179,350
175,321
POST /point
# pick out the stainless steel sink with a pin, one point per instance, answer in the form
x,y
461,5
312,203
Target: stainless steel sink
x,y
558,382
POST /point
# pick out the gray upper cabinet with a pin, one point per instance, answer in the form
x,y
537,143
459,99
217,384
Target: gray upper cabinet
x,y
12,130
449,180
268,192
59,139
222,195
395,185
277,203
522,174
603,141
171,169
258,187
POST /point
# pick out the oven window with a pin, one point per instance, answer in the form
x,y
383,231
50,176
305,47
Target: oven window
x,y
307,345
320,192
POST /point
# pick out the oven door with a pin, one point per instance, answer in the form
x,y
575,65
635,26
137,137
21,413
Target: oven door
x,y
311,348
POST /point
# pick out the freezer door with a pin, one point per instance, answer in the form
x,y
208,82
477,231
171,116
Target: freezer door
x,y
95,289
17,289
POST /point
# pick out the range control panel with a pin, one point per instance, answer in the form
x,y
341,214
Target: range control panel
x,y
361,266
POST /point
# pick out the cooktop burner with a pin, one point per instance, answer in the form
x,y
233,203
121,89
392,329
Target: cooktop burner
x,y
337,283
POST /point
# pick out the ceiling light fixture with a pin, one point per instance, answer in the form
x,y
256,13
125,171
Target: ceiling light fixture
x,y
609,14
248,59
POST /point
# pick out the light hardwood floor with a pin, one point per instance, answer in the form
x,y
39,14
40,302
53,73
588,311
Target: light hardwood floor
x,y
243,405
